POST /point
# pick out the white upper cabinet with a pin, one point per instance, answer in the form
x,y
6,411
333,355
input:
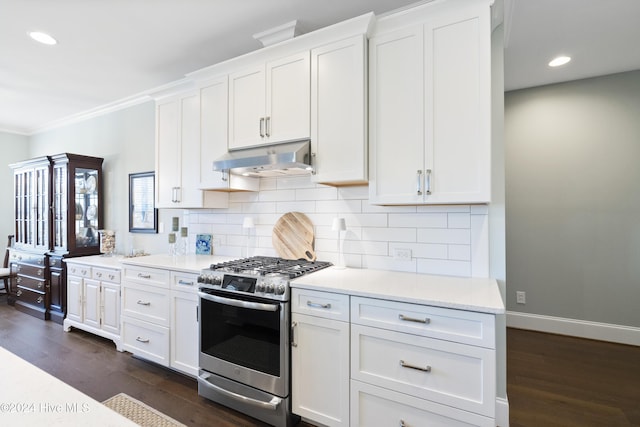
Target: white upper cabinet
x,y
430,105
177,151
269,102
213,139
339,112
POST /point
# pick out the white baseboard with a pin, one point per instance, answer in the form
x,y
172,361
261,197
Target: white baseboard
x,y
578,328
502,412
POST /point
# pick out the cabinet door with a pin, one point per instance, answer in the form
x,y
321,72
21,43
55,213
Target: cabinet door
x,y
457,47
111,308
190,194
184,332
396,116
74,298
288,98
92,303
320,369
246,107
339,112
213,139
167,153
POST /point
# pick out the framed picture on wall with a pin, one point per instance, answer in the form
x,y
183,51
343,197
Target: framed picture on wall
x,y
143,215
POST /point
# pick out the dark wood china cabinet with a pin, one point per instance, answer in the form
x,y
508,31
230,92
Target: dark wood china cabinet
x,y
58,212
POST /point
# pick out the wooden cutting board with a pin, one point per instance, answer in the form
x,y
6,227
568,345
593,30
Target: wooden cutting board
x,y
293,237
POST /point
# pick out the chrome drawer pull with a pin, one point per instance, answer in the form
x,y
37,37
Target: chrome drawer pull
x,y
98,274
184,282
112,277
19,280
426,320
39,300
144,276
18,293
142,340
293,337
140,302
39,272
318,305
417,368
402,424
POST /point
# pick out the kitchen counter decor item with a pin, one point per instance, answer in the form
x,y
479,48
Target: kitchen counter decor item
x,y
203,244
107,242
293,237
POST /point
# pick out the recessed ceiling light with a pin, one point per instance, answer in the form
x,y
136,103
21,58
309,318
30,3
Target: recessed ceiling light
x,y
560,60
43,38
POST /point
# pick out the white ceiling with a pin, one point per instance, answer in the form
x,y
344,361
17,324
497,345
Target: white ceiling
x,y
110,51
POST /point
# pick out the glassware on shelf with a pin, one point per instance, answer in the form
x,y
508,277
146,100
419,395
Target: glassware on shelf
x,y
107,242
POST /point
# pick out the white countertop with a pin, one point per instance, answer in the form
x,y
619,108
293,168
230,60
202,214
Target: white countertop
x,y
97,261
185,263
473,294
31,397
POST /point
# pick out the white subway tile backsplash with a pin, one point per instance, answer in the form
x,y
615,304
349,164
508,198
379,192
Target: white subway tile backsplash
x,y
429,220
389,234
444,235
320,193
460,252
444,240
459,220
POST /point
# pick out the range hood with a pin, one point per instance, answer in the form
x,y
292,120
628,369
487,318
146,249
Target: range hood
x,y
288,158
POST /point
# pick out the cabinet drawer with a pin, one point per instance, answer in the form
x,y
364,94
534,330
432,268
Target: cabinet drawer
x,y
184,282
78,270
148,276
146,340
32,297
443,323
31,283
106,275
28,258
36,271
55,261
378,406
320,304
449,373
146,303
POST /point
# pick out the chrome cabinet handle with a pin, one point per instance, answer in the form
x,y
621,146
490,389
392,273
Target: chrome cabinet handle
x,y
419,183
140,302
318,305
428,181
261,127
184,282
267,127
293,339
98,274
417,368
142,340
144,276
426,320
19,280
39,300
19,293
39,272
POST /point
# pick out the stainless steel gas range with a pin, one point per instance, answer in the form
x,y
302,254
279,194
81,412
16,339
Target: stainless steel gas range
x,y
245,335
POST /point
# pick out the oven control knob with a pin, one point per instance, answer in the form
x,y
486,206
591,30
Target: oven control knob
x,y
216,280
270,288
280,289
260,287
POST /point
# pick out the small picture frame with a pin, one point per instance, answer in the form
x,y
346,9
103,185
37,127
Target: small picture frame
x,y
143,215
203,244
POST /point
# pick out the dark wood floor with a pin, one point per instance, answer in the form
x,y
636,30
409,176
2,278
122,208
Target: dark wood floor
x,y
555,380
551,380
93,365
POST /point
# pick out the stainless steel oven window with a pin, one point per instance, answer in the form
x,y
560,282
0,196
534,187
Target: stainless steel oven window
x,y
241,332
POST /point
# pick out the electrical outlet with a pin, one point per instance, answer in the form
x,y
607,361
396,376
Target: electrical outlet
x,y
402,254
521,297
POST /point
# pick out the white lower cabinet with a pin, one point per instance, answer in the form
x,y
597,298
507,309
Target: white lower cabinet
x,y
93,300
320,357
160,317
145,313
184,323
414,367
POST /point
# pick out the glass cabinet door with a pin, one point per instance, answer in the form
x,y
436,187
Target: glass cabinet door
x,y
87,207
31,207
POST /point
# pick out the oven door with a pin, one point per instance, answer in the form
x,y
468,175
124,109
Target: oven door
x,y
245,339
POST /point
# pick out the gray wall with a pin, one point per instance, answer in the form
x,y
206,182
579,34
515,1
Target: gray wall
x,y
126,141
14,148
573,199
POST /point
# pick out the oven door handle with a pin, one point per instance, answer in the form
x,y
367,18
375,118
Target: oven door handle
x,y
239,303
271,405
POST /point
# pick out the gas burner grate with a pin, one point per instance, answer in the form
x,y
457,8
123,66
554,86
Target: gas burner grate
x,y
264,265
